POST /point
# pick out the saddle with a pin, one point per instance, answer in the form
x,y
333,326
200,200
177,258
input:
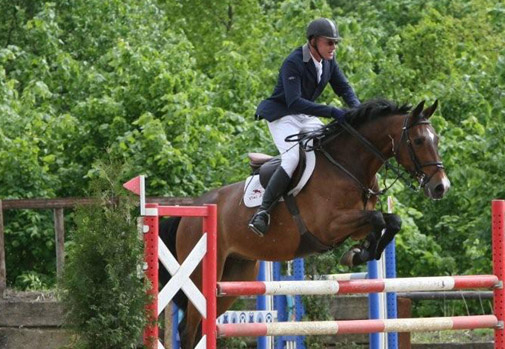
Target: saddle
x,y
265,165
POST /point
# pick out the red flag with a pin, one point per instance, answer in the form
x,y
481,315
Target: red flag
x,y
133,185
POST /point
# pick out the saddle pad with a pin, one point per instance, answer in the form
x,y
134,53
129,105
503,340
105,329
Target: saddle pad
x,y
253,190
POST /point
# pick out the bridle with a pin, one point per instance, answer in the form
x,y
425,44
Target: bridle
x,y
418,167
322,137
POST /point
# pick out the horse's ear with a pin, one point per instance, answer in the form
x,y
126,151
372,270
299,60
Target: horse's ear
x,y
417,111
430,110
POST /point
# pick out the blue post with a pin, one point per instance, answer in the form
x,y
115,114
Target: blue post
x,y
299,274
289,307
279,304
176,341
261,304
392,307
373,305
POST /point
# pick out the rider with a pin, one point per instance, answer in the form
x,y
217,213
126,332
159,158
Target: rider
x,y
291,108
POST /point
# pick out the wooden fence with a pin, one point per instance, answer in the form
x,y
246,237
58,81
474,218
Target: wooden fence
x,y
58,206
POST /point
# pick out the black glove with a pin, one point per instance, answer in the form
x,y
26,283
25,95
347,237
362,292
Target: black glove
x,y
338,114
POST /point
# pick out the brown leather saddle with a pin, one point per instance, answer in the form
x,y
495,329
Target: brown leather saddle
x,y
265,165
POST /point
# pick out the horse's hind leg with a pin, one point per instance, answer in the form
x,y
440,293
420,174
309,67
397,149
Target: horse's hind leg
x,y
234,270
393,226
191,325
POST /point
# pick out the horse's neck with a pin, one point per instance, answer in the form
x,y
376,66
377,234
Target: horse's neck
x,y
358,159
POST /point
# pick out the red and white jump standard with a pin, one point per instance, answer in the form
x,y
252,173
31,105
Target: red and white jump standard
x,y
498,242
155,249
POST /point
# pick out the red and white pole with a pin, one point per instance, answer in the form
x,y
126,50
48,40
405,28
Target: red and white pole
x,y
151,258
209,276
498,236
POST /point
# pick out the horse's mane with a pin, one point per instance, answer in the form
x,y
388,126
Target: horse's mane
x,y
366,112
374,109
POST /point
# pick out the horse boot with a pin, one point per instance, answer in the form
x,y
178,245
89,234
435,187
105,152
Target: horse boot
x,y
276,187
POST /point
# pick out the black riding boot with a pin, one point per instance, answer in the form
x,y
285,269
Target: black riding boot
x,y
275,189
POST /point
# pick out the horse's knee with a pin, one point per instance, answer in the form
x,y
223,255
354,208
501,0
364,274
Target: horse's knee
x,y
376,219
393,222
393,226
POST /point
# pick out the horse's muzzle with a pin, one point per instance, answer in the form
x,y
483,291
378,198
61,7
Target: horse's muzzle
x,y
438,186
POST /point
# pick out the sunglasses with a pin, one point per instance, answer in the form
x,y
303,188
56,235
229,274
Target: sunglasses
x,y
330,42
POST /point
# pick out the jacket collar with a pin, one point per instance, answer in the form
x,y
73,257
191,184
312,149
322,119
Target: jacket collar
x,y
307,56
306,53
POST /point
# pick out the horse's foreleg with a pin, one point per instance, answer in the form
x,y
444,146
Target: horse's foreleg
x,y
393,226
373,222
236,270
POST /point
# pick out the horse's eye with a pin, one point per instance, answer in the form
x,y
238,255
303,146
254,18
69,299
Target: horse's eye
x,y
419,141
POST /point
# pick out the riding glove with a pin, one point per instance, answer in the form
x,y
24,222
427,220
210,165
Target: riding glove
x,y
338,114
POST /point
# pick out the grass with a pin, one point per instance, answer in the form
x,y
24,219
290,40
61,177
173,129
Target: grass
x,y
463,336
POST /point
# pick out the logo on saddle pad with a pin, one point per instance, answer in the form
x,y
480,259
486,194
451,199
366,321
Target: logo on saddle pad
x,y
254,190
255,194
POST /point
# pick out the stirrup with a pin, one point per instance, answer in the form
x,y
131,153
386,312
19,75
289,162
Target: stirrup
x,y
254,228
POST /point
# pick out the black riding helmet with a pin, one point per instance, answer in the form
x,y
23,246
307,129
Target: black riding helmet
x,y
323,27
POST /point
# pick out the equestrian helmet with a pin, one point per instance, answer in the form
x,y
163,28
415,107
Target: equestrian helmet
x,y
323,27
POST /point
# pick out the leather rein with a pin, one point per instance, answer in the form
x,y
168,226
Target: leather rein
x,y
368,192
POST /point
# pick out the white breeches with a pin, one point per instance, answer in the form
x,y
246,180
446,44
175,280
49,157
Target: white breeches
x,y
286,126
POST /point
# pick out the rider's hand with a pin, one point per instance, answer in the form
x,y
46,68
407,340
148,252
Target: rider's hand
x,y
338,114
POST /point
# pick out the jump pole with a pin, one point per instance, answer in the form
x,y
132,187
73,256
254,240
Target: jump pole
x,y
359,326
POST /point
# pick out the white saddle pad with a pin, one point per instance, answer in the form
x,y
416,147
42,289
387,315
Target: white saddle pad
x,y
253,190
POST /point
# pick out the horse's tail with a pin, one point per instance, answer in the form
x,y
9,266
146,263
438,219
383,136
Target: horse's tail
x,y
168,233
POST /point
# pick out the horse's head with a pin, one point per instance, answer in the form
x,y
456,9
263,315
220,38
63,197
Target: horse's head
x,y
417,152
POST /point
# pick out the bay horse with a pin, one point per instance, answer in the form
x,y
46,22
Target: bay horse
x,y
337,202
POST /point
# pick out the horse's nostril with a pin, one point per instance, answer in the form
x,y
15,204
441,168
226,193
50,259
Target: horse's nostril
x,y
439,189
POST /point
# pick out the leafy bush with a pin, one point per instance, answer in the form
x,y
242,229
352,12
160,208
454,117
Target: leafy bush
x,y
103,287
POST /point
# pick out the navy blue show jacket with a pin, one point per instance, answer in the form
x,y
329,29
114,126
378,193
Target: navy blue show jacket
x,y
297,88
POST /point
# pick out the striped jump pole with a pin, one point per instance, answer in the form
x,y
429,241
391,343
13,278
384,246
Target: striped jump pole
x,y
358,326
328,287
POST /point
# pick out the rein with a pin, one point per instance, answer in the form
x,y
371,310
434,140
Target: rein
x,y
321,136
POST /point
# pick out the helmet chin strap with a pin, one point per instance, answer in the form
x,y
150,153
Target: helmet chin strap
x,y
317,50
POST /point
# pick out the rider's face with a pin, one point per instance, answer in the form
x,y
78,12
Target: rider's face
x,y
326,47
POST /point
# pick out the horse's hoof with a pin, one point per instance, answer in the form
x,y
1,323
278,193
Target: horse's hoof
x,y
347,257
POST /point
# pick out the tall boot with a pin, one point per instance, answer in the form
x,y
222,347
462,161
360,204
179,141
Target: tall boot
x,y
276,187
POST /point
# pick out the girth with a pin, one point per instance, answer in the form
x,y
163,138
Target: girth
x,y
309,244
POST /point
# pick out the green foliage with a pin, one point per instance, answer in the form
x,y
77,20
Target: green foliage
x,y
103,287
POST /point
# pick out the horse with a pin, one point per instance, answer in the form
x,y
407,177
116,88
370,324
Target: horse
x,y
338,202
